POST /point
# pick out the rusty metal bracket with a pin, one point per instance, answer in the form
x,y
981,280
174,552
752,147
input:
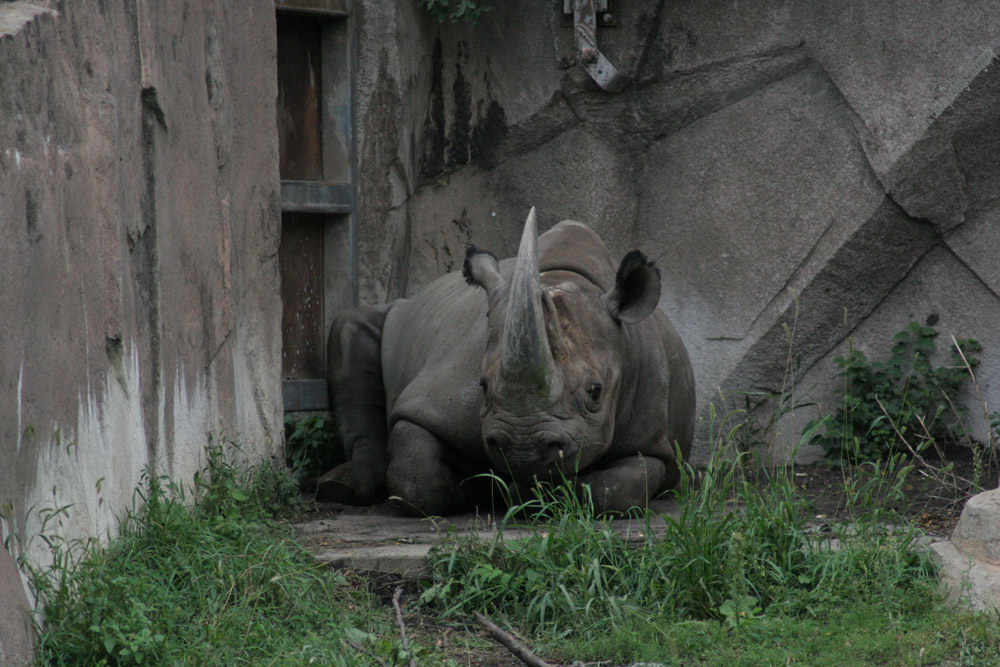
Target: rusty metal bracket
x,y
604,10
597,65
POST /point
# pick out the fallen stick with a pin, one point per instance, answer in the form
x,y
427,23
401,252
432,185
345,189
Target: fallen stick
x,y
402,626
512,645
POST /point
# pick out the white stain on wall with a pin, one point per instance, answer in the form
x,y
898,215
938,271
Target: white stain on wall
x,y
86,477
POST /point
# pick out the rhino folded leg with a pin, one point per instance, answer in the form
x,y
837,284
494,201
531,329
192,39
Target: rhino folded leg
x,y
337,485
418,475
357,398
627,483
360,481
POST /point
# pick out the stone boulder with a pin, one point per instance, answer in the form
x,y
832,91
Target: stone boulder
x,y
970,561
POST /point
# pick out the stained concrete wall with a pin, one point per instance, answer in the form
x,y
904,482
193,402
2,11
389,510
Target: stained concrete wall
x,y
138,277
826,168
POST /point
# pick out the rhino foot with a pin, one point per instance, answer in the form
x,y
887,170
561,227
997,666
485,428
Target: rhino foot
x,y
628,483
419,480
337,485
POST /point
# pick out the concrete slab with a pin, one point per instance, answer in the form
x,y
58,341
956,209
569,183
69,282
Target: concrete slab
x,y
380,540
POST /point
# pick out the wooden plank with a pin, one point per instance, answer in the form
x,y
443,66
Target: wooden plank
x,y
300,261
330,8
302,395
313,197
300,132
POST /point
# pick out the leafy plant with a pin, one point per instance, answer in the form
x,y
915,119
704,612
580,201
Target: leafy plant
x,y
312,446
467,11
739,611
216,581
905,399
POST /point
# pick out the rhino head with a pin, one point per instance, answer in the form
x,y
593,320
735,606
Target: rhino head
x,y
555,370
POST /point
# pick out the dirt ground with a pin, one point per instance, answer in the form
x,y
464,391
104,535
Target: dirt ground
x,y
934,493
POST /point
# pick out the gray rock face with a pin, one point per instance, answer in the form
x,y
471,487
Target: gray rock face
x,y
978,531
793,168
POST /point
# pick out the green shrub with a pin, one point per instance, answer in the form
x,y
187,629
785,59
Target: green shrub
x,y
736,549
467,11
905,399
312,446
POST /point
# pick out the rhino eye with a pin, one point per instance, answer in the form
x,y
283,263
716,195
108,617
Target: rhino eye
x,y
594,391
484,385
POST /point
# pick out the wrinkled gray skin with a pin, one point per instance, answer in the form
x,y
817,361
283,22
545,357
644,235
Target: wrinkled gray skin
x,y
552,362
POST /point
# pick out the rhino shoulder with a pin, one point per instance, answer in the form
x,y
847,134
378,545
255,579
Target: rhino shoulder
x,y
432,351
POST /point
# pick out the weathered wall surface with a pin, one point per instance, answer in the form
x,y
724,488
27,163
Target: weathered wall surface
x,y
842,157
138,279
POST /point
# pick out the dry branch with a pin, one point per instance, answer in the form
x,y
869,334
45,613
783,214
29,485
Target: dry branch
x,y
512,645
402,626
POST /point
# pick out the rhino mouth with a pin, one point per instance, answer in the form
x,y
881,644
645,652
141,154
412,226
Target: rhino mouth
x,y
538,457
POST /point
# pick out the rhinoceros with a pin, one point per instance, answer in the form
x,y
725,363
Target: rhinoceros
x,y
550,364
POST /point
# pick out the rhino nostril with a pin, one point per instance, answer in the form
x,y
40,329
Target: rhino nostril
x,y
495,442
555,450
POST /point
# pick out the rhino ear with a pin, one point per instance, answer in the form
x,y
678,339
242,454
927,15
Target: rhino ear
x,y
481,268
636,291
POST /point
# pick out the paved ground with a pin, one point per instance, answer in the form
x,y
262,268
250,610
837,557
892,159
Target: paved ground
x,y
381,540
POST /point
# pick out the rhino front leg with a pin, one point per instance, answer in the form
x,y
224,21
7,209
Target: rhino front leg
x,y
418,475
357,399
627,483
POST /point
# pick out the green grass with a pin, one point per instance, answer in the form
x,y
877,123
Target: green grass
x,y
738,577
909,630
216,581
733,546
209,575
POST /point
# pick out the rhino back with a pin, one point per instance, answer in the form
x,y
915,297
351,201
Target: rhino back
x,y
573,246
432,352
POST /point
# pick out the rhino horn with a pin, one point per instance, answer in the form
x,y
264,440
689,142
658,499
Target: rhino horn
x,y
526,363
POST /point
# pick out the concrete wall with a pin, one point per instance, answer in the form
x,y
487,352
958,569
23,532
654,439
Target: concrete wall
x,y
138,275
828,168
842,157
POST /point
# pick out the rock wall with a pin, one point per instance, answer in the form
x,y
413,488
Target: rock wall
x,y
825,169
138,279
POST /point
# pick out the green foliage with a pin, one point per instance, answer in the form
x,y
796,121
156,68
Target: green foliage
x,y
740,611
735,551
905,399
312,446
737,574
910,629
467,11
216,581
